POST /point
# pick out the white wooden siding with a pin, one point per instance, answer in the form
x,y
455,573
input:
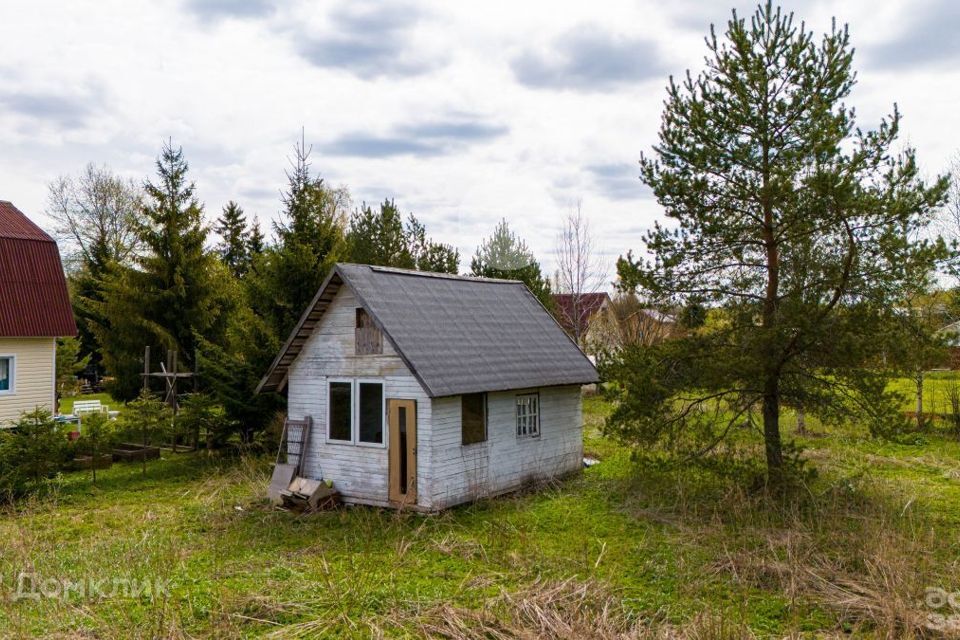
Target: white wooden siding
x,y
32,377
360,473
504,462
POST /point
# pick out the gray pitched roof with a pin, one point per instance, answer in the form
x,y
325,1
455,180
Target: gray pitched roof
x,y
457,334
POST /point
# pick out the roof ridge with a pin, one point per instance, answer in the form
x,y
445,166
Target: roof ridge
x,y
26,238
429,274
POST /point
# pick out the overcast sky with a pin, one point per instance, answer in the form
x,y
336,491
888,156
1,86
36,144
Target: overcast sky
x,y
464,112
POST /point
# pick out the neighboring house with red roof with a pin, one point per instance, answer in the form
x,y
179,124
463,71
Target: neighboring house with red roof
x,y
34,311
576,312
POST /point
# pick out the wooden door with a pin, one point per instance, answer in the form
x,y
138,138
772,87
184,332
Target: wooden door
x,y
403,450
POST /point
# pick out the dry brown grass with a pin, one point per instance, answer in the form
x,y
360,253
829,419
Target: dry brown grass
x,y
867,562
565,610
562,610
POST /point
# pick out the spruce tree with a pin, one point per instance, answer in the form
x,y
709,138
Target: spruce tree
x,y
176,292
256,243
234,245
310,240
800,229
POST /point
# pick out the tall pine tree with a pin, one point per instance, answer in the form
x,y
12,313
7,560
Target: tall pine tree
x,y
504,255
802,229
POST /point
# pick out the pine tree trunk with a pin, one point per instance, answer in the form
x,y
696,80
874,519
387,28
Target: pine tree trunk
x,y
771,430
801,421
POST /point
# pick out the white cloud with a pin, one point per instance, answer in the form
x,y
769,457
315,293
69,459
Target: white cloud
x,y
465,113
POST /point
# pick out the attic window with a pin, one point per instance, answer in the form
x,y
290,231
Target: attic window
x,y
369,340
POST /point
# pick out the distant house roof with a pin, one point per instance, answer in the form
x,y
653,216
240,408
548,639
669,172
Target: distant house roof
x,y
457,334
33,291
571,311
658,316
951,333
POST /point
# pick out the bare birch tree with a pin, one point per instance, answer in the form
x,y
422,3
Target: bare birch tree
x,y
95,215
950,220
580,270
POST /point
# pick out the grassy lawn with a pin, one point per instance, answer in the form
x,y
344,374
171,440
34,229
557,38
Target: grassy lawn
x,y
938,386
626,547
66,403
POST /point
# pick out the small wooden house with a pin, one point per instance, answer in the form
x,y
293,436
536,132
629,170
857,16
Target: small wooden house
x,y
429,390
34,311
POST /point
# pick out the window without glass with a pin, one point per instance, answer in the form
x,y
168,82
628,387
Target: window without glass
x,y
371,412
473,416
368,339
340,420
528,415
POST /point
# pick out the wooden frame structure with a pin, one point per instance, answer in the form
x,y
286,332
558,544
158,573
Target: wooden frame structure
x,y
169,374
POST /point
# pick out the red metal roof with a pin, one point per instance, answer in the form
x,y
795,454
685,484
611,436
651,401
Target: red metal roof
x,y
33,290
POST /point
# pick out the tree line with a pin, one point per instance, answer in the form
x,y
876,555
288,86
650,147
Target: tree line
x,y
143,270
799,257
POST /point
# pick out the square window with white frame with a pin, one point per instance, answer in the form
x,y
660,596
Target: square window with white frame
x,y
528,415
6,374
355,412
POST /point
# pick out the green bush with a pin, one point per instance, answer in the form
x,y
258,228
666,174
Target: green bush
x,y
99,434
31,452
201,413
144,419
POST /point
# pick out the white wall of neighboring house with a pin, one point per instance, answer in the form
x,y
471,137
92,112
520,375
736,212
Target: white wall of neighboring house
x,y
34,383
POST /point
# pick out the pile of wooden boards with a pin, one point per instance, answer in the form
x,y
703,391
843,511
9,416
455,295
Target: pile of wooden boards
x,y
304,494
287,486
298,493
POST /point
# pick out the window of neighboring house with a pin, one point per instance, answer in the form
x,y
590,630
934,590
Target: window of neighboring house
x,y
370,412
528,415
340,414
368,339
473,418
356,413
6,374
